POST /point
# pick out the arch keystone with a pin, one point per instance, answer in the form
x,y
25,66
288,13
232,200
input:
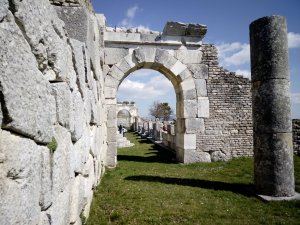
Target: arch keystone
x,y
144,54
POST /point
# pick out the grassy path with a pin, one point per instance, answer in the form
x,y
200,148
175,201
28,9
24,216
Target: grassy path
x,y
148,187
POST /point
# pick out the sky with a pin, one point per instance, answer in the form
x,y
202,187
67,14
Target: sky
x,y
228,28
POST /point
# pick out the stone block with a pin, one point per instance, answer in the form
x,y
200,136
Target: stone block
x,y
114,55
199,71
178,68
111,157
188,84
164,58
185,75
275,115
149,38
111,134
201,87
64,105
62,173
194,125
175,29
123,66
111,82
25,107
116,73
186,141
196,30
20,176
106,69
145,54
190,109
193,156
131,60
203,107
121,37
110,93
189,56
79,118
219,156
111,112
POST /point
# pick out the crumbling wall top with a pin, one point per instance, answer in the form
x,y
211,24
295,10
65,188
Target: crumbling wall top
x,y
74,3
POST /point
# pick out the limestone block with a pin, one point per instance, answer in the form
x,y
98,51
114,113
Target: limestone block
x,y
189,56
193,156
201,87
20,179
59,212
196,30
112,134
101,20
203,107
44,220
149,37
275,115
110,93
116,73
81,151
190,108
123,66
89,173
79,65
145,54
106,69
111,156
76,21
188,84
61,166
189,94
26,95
199,71
46,182
111,82
121,37
3,9
131,60
114,55
186,141
219,156
79,118
178,68
64,105
89,75
88,102
194,125
175,28
185,75
164,58
78,200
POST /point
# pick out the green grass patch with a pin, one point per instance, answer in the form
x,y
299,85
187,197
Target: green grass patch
x,y
149,187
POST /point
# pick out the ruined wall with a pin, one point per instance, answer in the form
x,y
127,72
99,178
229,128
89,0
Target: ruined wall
x,y
296,136
53,129
228,130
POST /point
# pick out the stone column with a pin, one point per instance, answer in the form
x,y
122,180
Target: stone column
x,y
272,124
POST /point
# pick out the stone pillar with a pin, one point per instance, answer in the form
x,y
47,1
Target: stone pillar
x,y
272,124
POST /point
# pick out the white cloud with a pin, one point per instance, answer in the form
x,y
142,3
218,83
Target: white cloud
x,y
157,86
234,53
244,73
132,11
293,40
295,98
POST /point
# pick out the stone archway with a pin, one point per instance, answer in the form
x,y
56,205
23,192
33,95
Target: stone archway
x,y
176,57
132,110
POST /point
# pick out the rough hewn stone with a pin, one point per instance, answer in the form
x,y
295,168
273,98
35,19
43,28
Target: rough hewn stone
x,y
199,71
114,55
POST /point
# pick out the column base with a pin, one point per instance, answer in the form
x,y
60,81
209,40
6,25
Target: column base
x,y
272,198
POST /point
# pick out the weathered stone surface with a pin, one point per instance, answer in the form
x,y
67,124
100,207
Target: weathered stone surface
x,y
185,74
203,107
219,156
273,164
145,54
3,9
271,106
46,176
199,71
79,119
182,29
193,156
190,109
178,68
114,55
201,87
78,199
64,105
111,157
124,66
18,70
121,37
20,180
112,134
76,21
269,49
62,173
194,125
164,58
186,141
116,73
189,56
111,81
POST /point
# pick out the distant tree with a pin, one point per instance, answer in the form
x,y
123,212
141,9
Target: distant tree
x,y
160,110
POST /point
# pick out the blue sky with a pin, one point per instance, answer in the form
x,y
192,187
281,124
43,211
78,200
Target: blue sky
x,y
228,27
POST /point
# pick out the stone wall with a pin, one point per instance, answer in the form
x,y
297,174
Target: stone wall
x,y
296,136
73,3
52,115
228,130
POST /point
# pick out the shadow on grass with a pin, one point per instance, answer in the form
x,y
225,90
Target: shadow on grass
x,y
238,188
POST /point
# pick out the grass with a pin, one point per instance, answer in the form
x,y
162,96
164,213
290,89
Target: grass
x,y
148,187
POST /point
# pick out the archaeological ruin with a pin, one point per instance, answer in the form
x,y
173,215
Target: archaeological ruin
x,y
60,69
